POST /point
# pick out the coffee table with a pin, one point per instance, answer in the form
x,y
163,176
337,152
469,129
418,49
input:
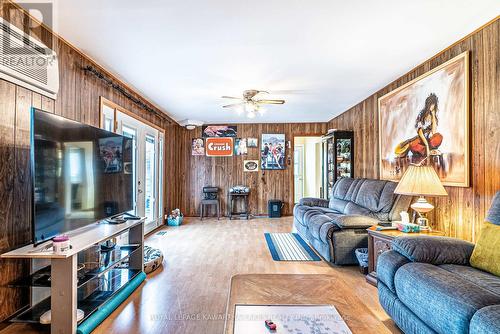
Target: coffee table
x,y
297,289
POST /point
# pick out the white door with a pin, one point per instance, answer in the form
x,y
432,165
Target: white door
x,y
147,168
298,172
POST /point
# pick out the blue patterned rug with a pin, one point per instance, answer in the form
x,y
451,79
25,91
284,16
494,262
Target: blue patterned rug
x,y
289,247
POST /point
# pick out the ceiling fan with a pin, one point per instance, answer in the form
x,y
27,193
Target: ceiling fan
x,y
250,103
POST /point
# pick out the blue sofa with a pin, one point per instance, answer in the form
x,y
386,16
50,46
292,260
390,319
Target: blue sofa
x,y
337,227
427,285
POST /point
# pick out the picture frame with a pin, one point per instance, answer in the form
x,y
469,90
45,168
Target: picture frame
x,y
240,146
273,151
252,142
197,147
427,121
219,131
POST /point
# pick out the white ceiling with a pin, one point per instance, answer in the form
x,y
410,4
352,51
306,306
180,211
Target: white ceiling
x,y
183,55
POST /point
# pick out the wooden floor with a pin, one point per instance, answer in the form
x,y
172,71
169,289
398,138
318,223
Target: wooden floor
x,y
189,294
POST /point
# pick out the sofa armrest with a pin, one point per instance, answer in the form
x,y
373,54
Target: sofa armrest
x,y
311,201
355,221
434,250
387,264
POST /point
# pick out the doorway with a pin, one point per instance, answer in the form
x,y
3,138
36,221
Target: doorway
x,y
147,161
307,167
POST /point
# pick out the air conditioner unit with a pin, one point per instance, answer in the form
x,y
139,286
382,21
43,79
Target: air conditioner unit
x,y
27,62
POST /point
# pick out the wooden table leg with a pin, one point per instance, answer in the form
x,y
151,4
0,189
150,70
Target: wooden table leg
x,y
63,302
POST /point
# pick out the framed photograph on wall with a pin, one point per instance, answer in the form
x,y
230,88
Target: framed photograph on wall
x,y
427,121
198,146
240,146
272,151
252,142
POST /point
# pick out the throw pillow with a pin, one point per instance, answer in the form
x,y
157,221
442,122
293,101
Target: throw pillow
x,y
487,250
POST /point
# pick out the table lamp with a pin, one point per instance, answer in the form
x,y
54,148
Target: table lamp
x,y
421,180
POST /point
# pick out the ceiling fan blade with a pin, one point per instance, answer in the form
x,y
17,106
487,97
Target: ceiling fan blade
x,y
233,105
270,101
231,97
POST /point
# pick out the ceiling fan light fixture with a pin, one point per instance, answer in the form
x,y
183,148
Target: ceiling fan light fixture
x,y
251,114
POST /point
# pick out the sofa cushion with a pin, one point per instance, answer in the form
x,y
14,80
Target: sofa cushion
x,y
434,250
312,201
303,212
299,211
352,208
486,320
376,195
374,198
387,264
405,319
486,254
485,280
355,221
319,225
445,300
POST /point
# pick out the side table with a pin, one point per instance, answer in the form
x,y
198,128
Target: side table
x,y
380,242
231,197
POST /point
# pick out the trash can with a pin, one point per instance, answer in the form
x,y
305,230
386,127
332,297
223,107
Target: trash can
x,y
362,256
274,208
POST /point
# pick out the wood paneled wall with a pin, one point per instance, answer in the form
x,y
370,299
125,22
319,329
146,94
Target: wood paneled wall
x,y
78,99
462,212
199,171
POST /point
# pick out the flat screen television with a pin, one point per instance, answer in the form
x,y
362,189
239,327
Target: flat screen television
x,y
81,174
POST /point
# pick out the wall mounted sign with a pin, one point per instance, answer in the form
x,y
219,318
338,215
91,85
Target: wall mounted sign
x,y
250,165
219,147
428,119
219,131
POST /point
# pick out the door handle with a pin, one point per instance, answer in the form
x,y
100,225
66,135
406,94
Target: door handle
x,y
139,191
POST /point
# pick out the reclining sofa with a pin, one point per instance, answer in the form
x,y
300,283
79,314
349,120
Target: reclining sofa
x,y
337,227
428,286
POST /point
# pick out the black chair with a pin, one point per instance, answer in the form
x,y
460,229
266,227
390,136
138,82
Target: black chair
x,y
210,197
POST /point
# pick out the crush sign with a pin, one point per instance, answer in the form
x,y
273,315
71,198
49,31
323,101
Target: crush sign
x,y
219,146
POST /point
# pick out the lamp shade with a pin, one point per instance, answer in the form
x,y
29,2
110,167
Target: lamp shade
x,y
420,181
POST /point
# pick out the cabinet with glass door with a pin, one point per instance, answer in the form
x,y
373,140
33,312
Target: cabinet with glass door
x,y
337,159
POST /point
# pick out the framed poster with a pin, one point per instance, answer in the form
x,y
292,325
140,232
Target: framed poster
x,y
198,146
219,131
240,146
272,151
219,147
427,121
250,165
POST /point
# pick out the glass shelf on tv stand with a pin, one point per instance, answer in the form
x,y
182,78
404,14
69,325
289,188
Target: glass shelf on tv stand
x,y
90,298
115,256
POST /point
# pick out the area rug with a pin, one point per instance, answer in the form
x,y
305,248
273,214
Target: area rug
x,y
289,247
